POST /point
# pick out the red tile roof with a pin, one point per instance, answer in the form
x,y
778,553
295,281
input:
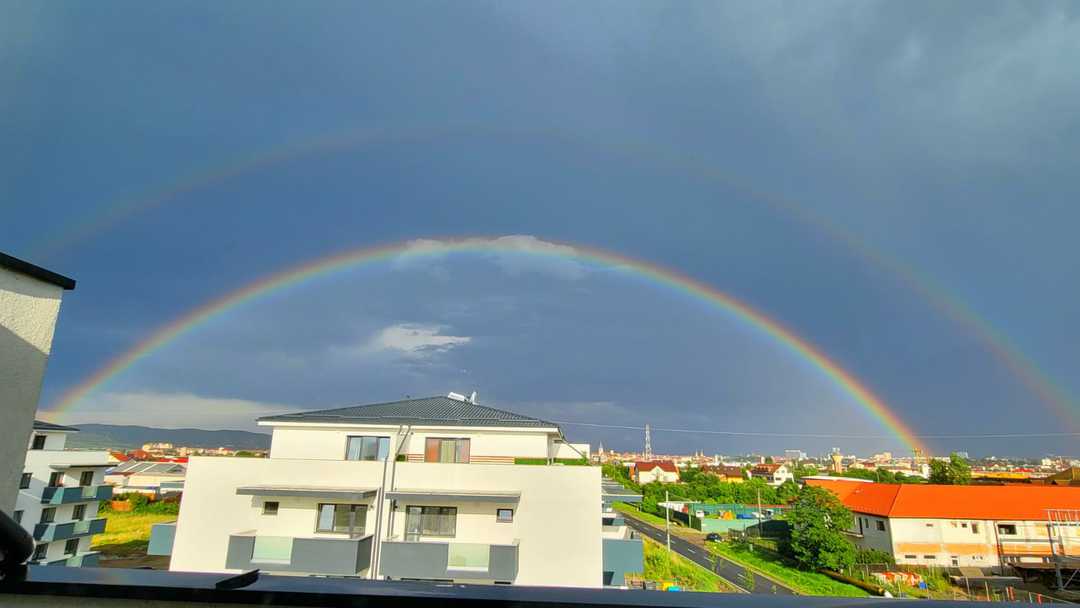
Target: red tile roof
x,y
1020,502
666,465
765,467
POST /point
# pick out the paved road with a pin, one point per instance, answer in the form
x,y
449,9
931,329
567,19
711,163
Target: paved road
x,y
726,569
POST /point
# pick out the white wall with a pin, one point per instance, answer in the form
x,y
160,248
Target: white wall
x,y
29,500
556,520
28,311
328,443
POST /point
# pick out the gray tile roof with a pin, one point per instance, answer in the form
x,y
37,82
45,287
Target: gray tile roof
x,y
426,411
41,425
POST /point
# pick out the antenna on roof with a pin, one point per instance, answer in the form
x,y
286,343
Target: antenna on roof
x,y
472,398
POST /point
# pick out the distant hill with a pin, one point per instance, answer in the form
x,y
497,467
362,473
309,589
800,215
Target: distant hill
x,y
124,436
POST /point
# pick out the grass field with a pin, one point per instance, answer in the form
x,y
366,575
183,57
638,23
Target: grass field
x,y
676,527
802,581
127,534
683,572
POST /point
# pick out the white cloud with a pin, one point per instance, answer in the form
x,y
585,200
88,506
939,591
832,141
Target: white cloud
x,y
515,254
175,410
411,340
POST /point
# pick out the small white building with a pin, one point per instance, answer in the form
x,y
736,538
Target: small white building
x,y
663,471
59,494
434,489
153,478
29,304
773,474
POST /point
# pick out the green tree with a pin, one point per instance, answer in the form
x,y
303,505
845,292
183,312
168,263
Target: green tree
x,y
787,492
818,521
804,470
768,460
954,471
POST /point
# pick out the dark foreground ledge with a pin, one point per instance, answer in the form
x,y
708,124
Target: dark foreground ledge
x,y
57,586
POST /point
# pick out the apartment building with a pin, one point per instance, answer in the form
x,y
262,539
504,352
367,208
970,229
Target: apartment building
x,y
432,489
59,493
29,305
988,527
624,552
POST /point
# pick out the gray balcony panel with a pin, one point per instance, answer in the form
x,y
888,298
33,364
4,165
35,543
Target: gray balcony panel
x,y
70,529
334,556
75,494
161,539
429,560
622,556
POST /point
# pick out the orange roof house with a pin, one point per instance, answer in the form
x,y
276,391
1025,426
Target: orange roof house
x,y
952,502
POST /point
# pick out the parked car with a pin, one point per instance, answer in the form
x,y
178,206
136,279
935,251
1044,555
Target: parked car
x,y
713,536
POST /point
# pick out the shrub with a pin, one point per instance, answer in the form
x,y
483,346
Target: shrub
x,y
874,556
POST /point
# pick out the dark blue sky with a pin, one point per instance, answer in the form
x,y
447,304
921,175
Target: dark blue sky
x,y
166,154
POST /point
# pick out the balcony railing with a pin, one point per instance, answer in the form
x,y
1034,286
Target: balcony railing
x,y
336,556
73,494
71,529
88,559
449,561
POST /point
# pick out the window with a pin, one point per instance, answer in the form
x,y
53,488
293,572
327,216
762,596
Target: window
x,y
40,551
367,448
56,479
39,443
24,481
86,478
17,516
962,524
437,449
48,515
1007,529
343,519
911,557
880,525
504,515
974,528
78,513
929,525
929,557
71,547
270,507
430,521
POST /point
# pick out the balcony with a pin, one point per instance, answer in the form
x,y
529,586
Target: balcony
x,y
622,556
88,559
336,556
71,529
449,561
64,496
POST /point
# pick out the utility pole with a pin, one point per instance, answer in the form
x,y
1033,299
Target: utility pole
x,y
759,512
667,515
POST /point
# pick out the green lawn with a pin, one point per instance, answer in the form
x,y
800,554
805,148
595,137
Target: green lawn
x,y
127,534
684,573
802,581
676,526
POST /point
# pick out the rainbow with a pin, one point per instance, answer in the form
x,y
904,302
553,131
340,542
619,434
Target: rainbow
x,y
1008,355
741,311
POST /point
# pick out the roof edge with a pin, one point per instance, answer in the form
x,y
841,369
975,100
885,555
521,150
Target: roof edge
x,y
37,272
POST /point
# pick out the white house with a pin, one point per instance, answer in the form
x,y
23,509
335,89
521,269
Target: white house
x,y
663,471
154,478
59,493
29,304
432,489
773,474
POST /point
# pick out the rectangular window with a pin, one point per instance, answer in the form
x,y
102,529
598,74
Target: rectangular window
x,y
272,549
24,481
962,524
86,478
40,551
342,519
48,515
880,525
39,442
367,448
17,516
929,557
504,515
78,513
431,521
270,507
929,525
911,557
71,547
438,449
974,528
56,479
1007,529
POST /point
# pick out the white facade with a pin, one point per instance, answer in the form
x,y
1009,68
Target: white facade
x,y
28,310
545,519
59,494
649,473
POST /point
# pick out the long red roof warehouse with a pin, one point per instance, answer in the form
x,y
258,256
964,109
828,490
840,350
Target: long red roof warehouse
x,y
951,502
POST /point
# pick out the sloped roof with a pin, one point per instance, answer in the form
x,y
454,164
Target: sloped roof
x,y
1016,502
649,465
39,273
426,411
41,425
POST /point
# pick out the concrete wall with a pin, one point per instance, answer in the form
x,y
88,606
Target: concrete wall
x,y
556,521
28,311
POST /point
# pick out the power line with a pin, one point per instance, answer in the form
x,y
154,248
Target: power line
x,y
821,435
